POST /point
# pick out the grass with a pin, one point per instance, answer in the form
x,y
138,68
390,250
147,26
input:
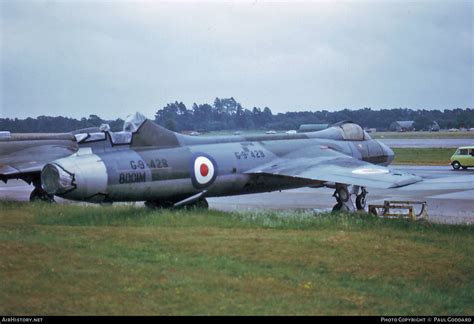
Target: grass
x,y
423,156
79,260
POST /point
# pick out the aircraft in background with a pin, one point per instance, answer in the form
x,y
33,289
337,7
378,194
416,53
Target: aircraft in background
x,y
23,156
168,169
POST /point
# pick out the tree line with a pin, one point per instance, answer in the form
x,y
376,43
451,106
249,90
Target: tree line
x,y
48,124
228,114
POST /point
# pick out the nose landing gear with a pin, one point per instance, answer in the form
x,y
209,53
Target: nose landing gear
x,y
344,198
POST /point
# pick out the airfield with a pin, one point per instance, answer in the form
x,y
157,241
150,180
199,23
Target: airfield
x,y
276,253
447,208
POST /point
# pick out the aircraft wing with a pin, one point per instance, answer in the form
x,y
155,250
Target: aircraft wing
x,y
30,160
20,170
7,170
442,185
332,166
29,167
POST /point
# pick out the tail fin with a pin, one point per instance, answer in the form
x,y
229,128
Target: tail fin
x,y
151,134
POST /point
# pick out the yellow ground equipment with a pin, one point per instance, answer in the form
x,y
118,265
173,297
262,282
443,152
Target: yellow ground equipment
x,y
396,208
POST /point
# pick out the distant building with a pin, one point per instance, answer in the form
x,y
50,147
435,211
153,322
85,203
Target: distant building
x,y
5,134
402,126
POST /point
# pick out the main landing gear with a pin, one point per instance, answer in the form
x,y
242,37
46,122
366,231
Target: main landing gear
x,y
38,194
344,198
198,203
157,204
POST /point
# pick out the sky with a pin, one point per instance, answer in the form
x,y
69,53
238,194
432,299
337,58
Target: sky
x,y
76,58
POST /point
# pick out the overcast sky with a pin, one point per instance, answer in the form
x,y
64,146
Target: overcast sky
x,y
76,58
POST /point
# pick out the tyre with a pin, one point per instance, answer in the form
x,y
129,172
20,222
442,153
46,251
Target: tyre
x,y
343,194
203,204
336,207
35,195
200,204
339,207
456,165
158,204
40,195
361,202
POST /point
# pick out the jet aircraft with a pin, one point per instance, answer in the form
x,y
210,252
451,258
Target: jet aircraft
x,y
166,169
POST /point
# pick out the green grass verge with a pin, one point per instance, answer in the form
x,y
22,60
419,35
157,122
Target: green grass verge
x,y
74,260
423,156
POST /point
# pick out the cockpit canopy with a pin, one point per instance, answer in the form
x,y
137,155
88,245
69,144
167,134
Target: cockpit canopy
x,y
343,131
131,124
353,132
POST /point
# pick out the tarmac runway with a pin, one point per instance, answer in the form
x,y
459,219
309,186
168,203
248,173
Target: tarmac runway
x,y
453,208
427,142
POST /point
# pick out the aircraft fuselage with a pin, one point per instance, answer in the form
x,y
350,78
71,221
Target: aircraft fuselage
x,y
217,166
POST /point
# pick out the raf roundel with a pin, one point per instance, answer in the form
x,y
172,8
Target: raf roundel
x,y
203,171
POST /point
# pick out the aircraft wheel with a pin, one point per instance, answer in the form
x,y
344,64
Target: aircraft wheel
x,y
361,202
158,204
39,194
35,195
200,204
456,165
343,193
340,208
336,207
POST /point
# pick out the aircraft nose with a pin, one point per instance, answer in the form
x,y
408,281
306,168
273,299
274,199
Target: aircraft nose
x,y
387,151
55,179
